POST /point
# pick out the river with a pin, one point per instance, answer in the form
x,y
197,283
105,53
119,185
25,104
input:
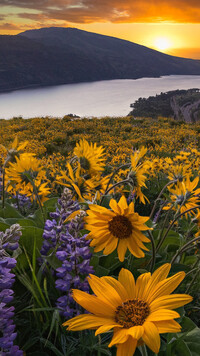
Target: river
x,y
99,99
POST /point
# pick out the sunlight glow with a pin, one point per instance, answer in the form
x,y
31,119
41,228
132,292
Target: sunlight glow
x,y
162,43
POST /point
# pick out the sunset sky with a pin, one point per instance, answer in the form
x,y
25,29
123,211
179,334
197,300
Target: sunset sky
x,y
171,26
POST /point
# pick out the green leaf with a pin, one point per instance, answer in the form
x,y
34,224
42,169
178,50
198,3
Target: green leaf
x,y
38,218
9,212
101,271
106,201
172,239
181,349
193,341
3,226
50,204
29,235
190,260
187,324
21,221
188,341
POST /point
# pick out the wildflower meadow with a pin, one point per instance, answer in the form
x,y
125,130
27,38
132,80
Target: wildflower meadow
x,y
99,237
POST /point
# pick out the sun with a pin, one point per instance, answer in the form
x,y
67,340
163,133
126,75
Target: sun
x,y
162,43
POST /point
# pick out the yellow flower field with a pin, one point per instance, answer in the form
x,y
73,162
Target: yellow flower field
x,y
99,229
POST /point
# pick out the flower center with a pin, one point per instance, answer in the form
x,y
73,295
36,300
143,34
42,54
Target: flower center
x,y
133,312
84,162
120,226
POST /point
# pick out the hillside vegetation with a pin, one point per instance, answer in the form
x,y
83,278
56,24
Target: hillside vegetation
x,y
119,136
52,56
178,104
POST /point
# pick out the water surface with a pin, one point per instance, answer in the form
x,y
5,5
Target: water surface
x,y
103,98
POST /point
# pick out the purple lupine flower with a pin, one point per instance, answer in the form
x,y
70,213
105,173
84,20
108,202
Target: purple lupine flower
x,y
23,203
74,253
72,250
54,228
8,241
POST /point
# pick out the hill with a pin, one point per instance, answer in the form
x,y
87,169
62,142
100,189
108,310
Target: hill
x,y
52,56
178,104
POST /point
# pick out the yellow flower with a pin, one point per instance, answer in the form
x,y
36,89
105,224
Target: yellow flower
x,y
42,190
136,311
184,195
120,227
179,172
25,175
137,175
74,180
15,150
90,156
24,166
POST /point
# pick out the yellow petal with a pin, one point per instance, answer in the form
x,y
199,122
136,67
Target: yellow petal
x,y
172,301
134,248
123,204
162,314
166,286
127,348
127,280
71,173
119,336
105,291
72,215
151,336
114,206
167,326
121,250
136,332
85,321
105,328
77,190
121,290
111,246
101,210
159,275
140,236
141,283
15,143
93,304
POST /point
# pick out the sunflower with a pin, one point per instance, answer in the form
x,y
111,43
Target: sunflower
x,y
14,151
91,157
184,195
120,227
25,175
26,165
137,175
73,179
179,172
136,311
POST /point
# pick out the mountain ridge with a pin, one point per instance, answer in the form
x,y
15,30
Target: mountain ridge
x,y
54,55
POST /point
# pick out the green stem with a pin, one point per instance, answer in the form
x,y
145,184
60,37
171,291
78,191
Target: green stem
x,y
172,223
163,227
113,186
192,281
143,350
38,198
99,350
115,171
183,248
159,196
153,259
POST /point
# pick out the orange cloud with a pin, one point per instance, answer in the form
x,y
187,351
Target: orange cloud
x,y
9,26
116,11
